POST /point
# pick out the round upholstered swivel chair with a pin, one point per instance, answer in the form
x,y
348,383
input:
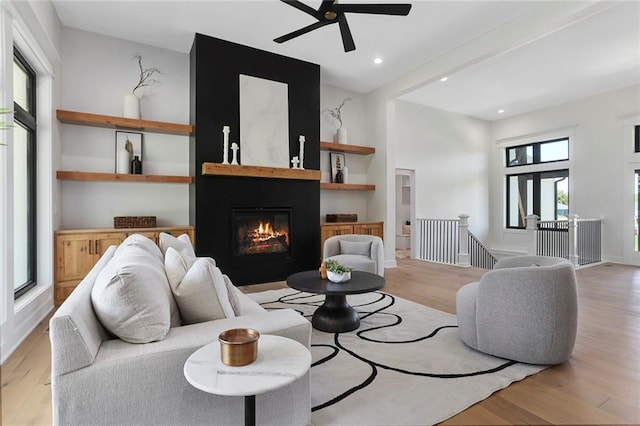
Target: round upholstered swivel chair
x,y
359,252
525,310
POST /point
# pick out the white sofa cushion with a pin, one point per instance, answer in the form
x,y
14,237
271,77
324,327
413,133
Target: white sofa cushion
x,y
131,296
182,244
202,294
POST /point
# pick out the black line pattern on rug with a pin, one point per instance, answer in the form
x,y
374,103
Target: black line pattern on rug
x,y
292,299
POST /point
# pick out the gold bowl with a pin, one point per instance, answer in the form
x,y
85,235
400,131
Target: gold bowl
x,y
238,346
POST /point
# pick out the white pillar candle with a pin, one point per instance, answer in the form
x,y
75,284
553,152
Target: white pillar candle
x,y
301,139
124,161
225,148
235,148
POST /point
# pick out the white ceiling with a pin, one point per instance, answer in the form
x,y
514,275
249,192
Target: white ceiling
x,y
596,54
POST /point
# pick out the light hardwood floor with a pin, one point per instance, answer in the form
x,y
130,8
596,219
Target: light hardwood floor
x,y
600,384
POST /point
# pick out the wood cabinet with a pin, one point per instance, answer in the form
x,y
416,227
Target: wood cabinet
x,y
347,149
341,228
78,250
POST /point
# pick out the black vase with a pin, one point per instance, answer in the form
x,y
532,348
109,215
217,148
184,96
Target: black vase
x,y
136,166
339,177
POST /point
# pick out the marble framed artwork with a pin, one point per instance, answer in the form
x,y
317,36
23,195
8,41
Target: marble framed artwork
x,y
264,122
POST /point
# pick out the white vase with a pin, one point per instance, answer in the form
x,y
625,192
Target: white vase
x,y
131,106
345,174
341,135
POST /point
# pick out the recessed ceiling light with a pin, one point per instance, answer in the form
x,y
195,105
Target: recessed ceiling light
x,y
444,79
500,111
377,61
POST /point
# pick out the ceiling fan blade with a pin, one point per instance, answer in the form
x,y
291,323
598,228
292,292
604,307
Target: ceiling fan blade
x,y
301,31
303,7
345,32
377,9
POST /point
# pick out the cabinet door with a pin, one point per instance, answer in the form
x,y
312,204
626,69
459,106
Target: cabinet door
x,y
74,256
369,229
102,241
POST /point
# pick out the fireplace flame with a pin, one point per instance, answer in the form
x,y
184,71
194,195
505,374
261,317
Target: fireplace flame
x,y
265,232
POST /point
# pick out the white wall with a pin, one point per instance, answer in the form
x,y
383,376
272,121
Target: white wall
x,y
98,72
353,119
449,155
597,158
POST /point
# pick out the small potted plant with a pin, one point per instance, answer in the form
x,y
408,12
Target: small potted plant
x,y
337,272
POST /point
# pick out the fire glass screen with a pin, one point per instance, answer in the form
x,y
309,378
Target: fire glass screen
x,y
261,231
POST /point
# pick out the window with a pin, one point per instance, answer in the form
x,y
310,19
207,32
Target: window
x,y
538,153
24,175
545,194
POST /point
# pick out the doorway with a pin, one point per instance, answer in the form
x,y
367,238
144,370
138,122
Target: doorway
x,y
405,212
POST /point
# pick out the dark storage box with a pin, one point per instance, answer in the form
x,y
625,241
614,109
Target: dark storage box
x,y
134,222
342,218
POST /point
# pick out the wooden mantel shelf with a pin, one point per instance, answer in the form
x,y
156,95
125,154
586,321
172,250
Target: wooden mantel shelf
x,y
116,177
217,169
347,186
112,122
352,149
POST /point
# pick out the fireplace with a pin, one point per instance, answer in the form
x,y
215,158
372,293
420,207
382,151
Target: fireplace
x,y
261,234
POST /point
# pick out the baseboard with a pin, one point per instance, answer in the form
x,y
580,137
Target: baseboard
x,y
391,263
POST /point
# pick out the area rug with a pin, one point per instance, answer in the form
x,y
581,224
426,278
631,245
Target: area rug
x,y
405,365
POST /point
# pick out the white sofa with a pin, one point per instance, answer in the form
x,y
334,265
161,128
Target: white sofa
x,y
97,378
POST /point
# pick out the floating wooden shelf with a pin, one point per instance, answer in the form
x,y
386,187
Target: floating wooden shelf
x,y
347,186
116,177
352,149
111,122
217,169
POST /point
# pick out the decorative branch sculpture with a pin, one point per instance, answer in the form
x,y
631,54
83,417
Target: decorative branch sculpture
x,y
336,113
145,74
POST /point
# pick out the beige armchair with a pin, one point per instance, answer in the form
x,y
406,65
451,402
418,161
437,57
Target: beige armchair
x,y
360,252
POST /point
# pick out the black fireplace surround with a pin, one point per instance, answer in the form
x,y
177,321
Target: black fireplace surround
x,y
217,203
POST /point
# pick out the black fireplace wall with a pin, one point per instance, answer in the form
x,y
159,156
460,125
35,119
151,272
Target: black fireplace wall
x,y
214,102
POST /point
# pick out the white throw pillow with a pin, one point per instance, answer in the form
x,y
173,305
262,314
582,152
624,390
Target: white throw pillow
x,y
175,266
361,248
131,296
143,242
202,293
182,244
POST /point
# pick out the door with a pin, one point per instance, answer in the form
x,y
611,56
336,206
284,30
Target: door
x,y
75,256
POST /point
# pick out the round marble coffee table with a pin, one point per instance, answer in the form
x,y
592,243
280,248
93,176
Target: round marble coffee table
x,y
335,315
280,362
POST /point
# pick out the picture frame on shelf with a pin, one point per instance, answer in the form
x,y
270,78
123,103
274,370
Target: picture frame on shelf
x,y
122,161
337,160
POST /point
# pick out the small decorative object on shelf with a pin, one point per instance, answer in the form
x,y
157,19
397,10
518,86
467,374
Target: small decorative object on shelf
x,y
345,174
225,146
337,272
301,139
336,115
131,106
128,144
338,162
136,166
295,162
235,148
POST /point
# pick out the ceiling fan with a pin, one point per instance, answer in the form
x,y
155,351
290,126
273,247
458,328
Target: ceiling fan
x,y
330,12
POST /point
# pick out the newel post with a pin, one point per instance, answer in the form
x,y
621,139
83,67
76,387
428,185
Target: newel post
x,y
573,239
464,259
532,227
